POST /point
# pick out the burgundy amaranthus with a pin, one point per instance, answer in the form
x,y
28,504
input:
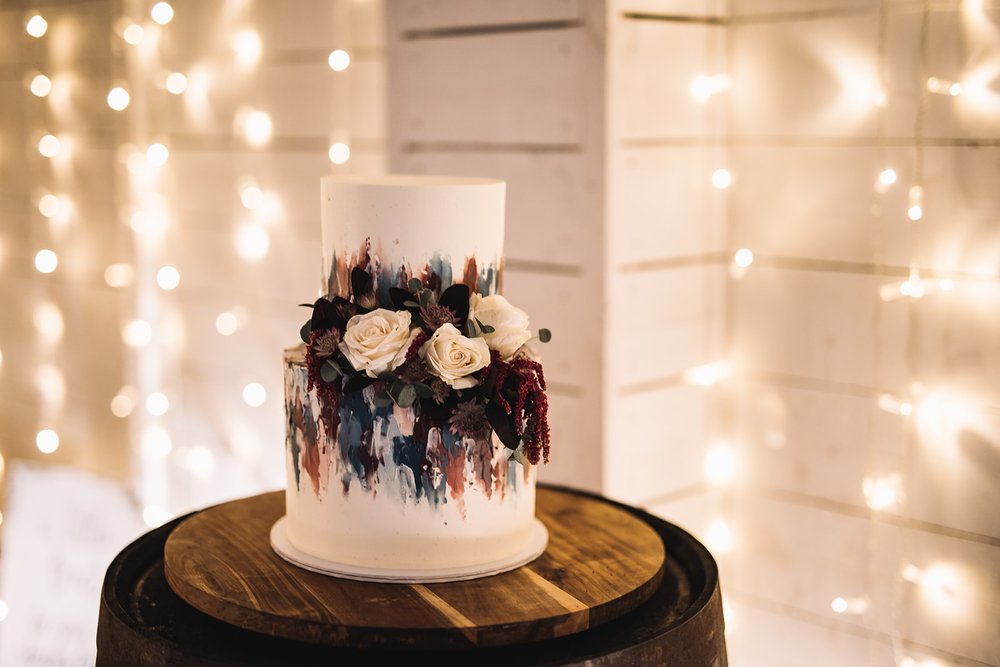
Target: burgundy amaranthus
x,y
531,406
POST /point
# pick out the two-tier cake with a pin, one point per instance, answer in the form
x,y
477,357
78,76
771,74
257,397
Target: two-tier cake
x,y
415,406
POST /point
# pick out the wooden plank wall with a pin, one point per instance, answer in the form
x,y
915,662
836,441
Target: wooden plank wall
x,y
201,372
515,90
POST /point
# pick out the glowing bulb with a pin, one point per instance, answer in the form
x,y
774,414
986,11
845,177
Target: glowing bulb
x,y
340,153
887,177
943,87
50,205
118,98
46,261
123,402
177,83
157,404
155,516
143,222
254,394
162,13
743,258
119,275
915,212
339,60
133,33
849,605
719,537
251,197
199,460
707,374
41,85
156,442
247,46
48,321
882,492
137,333
36,26
940,583
157,154
704,87
720,464
722,179
48,146
257,128
168,278
894,405
226,323
252,242
946,285
47,441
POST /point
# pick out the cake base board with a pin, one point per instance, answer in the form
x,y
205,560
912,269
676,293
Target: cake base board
x,y
601,562
284,548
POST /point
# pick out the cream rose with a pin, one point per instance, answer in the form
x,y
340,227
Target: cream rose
x,y
453,357
377,342
510,324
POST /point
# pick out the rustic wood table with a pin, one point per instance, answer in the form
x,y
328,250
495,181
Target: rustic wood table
x,y
615,586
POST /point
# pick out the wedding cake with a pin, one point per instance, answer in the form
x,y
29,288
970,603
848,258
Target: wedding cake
x,y
416,407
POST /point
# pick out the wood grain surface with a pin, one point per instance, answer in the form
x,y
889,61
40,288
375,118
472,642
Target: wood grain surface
x,y
601,563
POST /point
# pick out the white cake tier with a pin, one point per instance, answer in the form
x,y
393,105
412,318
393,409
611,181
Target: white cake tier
x,y
367,486
412,226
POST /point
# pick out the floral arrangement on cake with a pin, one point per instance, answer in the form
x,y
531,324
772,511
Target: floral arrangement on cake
x,y
460,358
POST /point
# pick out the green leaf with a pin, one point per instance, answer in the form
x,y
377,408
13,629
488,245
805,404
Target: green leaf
x,y
425,296
544,335
485,328
407,397
518,455
395,388
388,376
329,371
305,331
470,329
382,399
423,391
415,285
411,304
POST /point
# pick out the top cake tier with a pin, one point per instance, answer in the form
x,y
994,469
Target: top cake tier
x,y
440,229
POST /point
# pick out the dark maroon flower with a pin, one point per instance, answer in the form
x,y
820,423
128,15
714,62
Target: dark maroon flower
x,y
469,420
435,315
325,344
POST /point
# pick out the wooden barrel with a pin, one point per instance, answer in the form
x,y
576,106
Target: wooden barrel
x,y
143,622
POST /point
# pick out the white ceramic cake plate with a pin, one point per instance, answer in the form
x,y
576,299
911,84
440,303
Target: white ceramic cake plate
x,y
284,548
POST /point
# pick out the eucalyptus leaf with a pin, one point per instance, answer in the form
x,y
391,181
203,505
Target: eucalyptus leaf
x,y
305,331
329,371
423,391
518,455
395,389
470,329
387,377
425,296
485,328
407,397
411,304
357,382
415,285
544,335
382,399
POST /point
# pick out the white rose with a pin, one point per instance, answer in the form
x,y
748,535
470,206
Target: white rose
x,y
377,342
510,324
453,357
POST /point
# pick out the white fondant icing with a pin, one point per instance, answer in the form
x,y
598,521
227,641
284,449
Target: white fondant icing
x,y
410,219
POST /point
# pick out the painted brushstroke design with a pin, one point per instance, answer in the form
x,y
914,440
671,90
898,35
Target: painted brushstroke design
x,y
436,274
391,450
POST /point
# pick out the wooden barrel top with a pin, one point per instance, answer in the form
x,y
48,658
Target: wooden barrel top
x,y
145,624
601,562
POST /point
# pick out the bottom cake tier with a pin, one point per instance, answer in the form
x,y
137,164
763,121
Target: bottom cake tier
x,y
371,485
